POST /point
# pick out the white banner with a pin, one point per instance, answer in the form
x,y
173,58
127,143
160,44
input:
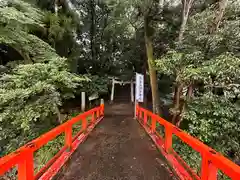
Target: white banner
x,y
139,93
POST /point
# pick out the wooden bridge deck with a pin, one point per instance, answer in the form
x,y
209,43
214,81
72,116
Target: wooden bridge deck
x,y
117,149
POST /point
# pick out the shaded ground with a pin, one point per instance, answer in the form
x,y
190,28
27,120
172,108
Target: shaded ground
x,y
118,149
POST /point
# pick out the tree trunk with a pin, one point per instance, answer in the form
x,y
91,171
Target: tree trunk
x,y
56,7
93,30
144,70
186,6
60,116
182,29
183,106
217,21
222,4
70,7
177,97
152,71
25,56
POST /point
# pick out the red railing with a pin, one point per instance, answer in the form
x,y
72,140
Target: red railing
x,y
23,158
212,161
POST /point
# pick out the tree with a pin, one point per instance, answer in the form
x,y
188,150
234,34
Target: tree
x,y
31,95
186,6
144,13
93,29
178,109
196,44
34,88
210,72
148,33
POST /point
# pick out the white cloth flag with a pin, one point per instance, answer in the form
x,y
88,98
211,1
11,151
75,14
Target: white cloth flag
x,y
139,87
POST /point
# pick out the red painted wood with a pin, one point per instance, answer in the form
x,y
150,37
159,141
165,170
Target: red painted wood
x,y
212,171
102,109
84,124
159,142
98,113
212,161
59,163
68,137
26,167
145,118
168,138
153,127
23,157
93,117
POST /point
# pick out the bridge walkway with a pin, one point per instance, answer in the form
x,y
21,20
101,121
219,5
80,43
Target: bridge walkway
x,y
117,149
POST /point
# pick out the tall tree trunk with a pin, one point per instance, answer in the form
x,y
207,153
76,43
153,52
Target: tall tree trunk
x,y
144,70
93,30
177,102
186,6
178,89
222,4
183,105
25,55
152,71
70,7
56,7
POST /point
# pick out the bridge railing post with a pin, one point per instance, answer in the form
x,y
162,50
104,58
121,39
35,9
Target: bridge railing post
x,y
213,171
98,113
93,116
26,167
145,118
168,138
140,114
84,124
208,170
102,107
153,125
68,137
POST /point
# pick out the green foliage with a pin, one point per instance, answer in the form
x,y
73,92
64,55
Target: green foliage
x,y
57,26
209,62
225,69
106,38
47,152
224,39
97,84
17,20
31,95
182,66
189,155
23,26
215,121
44,154
20,12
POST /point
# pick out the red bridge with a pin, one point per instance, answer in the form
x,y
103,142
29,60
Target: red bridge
x,y
118,148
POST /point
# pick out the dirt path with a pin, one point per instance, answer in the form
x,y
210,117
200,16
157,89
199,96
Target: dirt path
x,y
118,149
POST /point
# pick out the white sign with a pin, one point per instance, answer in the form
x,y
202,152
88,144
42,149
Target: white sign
x,y
139,93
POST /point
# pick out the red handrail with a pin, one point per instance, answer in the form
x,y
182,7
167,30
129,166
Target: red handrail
x,y
212,161
23,158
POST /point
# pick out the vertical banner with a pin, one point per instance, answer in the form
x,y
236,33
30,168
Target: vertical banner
x,y
139,93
